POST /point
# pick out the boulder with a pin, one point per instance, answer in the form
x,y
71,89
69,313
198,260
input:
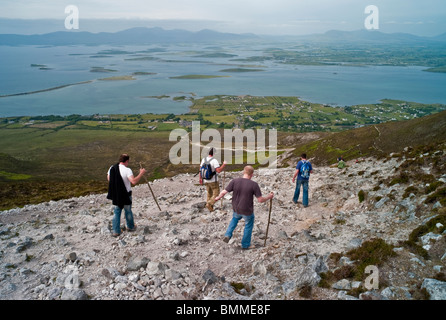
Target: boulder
x,y
436,288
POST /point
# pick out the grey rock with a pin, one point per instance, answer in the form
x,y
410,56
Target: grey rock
x,y
4,230
199,205
289,286
54,293
25,271
396,293
61,242
164,214
138,286
121,279
354,243
121,286
437,205
110,273
210,277
436,288
319,265
258,268
342,284
156,268
381,202
282,235
342,295
308,277
429,237
135,263
71,256
70,294
172,275
371,295
49,237
134,277
24,244
345,261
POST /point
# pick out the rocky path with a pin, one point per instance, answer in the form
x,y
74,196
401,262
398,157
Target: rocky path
x,y
64,249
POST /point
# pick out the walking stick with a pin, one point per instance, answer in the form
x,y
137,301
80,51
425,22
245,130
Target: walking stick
x,y
224,176
269,216
153,195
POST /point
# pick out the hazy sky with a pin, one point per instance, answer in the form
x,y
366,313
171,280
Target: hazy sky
x,y
291,17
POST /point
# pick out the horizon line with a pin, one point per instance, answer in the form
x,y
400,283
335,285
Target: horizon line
x,y
214,30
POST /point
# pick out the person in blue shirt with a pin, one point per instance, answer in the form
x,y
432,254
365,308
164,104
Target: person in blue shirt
x,y
303,170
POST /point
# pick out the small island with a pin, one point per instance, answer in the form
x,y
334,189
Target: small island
x,y
118,78
441,69
241,70
101,69
197,76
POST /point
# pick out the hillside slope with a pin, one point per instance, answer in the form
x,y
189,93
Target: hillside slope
x,y
358,217
376,140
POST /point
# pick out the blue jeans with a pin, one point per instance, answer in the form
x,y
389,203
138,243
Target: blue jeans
x,y
249,224
304,184
128,218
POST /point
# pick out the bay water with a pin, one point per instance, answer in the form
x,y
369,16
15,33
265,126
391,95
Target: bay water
x,y
25,71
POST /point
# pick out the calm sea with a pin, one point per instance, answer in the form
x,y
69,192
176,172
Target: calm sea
x,y
31,68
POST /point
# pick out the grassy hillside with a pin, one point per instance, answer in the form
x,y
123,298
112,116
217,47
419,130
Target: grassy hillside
x,y
376,140
65,158
48,164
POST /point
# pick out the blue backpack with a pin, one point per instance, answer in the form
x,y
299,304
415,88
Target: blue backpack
x,y
206,170
305,169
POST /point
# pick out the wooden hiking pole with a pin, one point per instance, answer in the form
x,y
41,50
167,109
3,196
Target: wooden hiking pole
x,y
269,216
224,176
153,195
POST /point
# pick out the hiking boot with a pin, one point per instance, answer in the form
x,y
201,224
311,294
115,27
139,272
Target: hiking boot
x,y
226,239
115,234
131,230
249,248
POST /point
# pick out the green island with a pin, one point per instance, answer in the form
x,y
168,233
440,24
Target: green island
x,y
102,70
54,157
118,78
241,70
441,69
197,76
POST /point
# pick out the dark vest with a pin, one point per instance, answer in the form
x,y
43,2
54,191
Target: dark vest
x,y
116,188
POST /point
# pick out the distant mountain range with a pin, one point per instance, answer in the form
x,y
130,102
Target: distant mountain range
x,y
142,35
138,35
373,36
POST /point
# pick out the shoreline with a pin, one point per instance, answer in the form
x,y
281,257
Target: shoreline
x,y
45,90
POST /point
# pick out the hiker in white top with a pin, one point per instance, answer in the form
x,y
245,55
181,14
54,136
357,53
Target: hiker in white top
x,y
212,186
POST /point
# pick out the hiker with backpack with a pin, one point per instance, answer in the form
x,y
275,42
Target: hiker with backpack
x,y
303,170
209,170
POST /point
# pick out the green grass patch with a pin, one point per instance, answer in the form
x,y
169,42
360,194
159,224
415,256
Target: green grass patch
x,y
14,176
439,195
430,226
361,196
374,252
